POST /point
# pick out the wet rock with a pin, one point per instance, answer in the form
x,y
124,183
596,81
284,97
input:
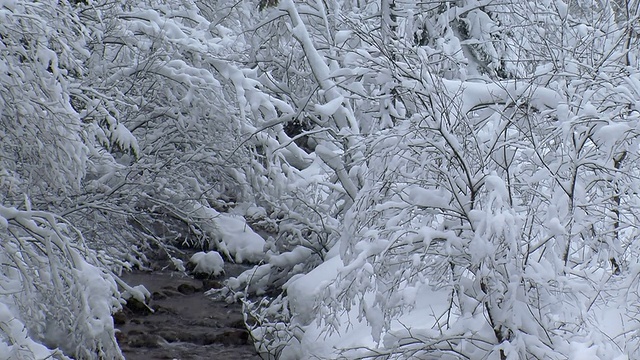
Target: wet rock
x,y
189,337
187,289
238,324
119,318
208,338
233,338
202,276
208,284
164,310
158,295
171,335
171,293
143,340
159,308
137,307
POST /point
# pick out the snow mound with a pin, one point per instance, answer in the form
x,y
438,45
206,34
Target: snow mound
x,y
237,239
207,262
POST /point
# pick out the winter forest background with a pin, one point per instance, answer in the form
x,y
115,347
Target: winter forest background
x,y
438,179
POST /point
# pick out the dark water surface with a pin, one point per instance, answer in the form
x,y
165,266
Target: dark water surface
x,y
185,325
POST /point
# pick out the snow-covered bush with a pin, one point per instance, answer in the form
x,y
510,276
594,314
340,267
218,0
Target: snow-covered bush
x,y
43,152
56,293
485,202
160,109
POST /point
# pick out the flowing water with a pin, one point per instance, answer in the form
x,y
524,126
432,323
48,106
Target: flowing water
x,y
184,324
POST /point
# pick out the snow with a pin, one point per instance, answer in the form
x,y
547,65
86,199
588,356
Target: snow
x,y
563,9
342,36
475,94
329,156
258,277
19,344
353,331
495,183
303,291
238,239
555,227
426,197
230,235
98,292
178,264
138,292
329,108
611,133
208,263
295,256
121,136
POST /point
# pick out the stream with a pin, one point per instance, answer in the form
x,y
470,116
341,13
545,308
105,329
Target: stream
x,y
185,324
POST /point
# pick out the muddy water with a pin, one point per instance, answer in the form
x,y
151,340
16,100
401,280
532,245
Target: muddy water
x,y
184,324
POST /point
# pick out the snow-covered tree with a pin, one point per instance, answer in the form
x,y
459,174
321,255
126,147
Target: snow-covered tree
x,y
58,294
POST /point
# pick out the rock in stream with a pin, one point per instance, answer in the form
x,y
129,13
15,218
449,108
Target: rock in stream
x,y
184,324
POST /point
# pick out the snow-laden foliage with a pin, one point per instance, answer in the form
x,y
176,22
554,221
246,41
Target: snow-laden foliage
x,y
486,157
140,123
55,292
449,179
57,297
195,131
154,92
43,153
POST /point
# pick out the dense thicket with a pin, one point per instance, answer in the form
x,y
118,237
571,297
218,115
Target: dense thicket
x,y
451,179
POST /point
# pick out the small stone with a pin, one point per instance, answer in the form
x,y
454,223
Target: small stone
x,y
238,324
208,284
137,307
201,275
228,338
187,289
158,296
119,318
171,293
121,337
163,310
170,335
234,337
143,340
